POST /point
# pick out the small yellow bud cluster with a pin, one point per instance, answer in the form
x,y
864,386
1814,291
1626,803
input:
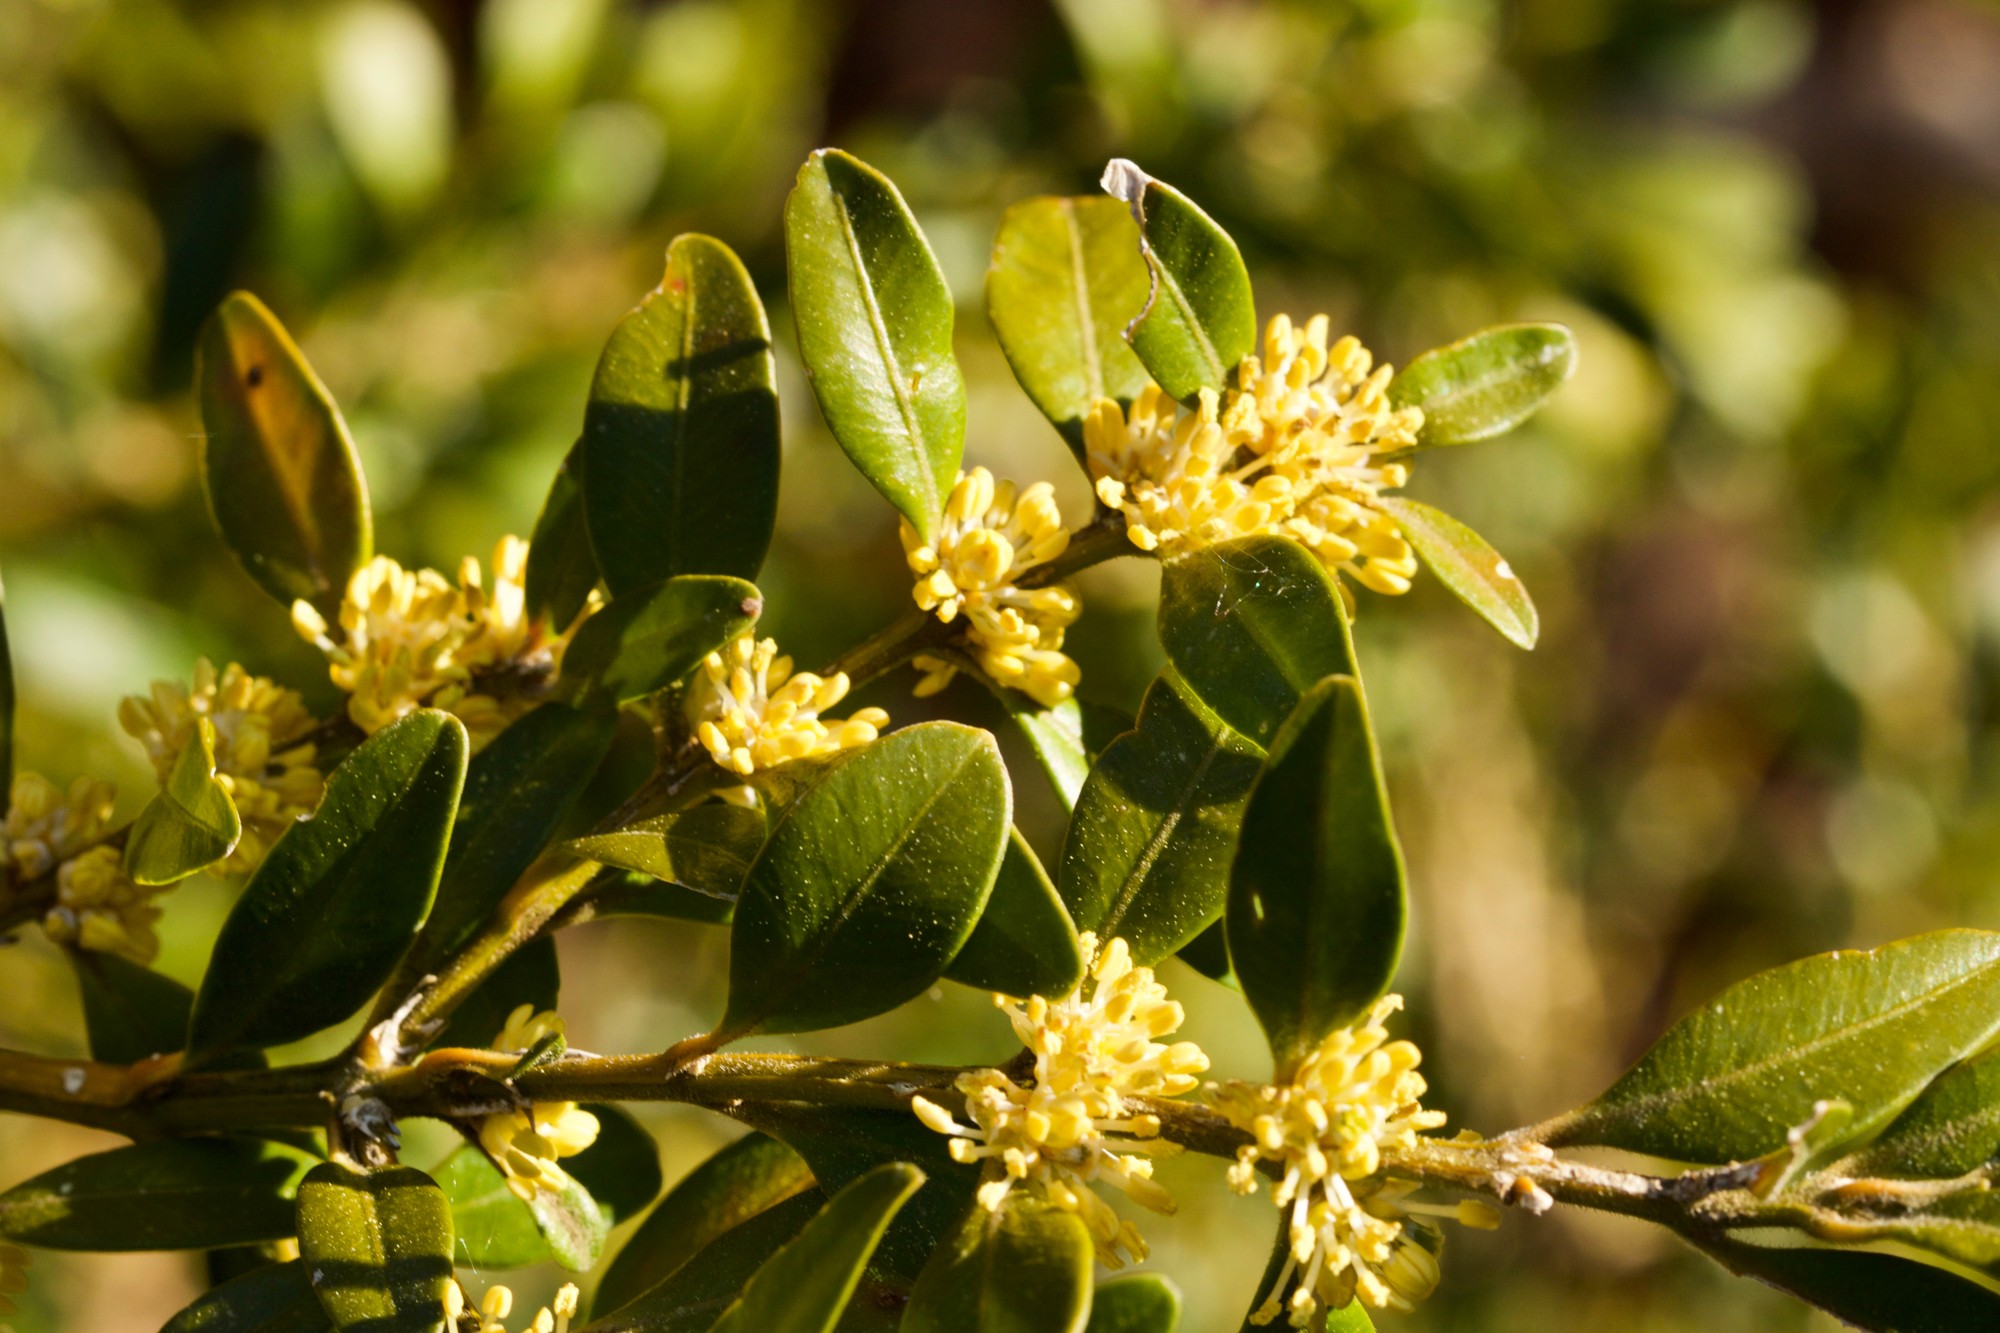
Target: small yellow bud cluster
x,y
526,1144
1296,447
46,825
751,712
989,536
1353,1096
271,788
1093,1049
498,1303
410,639
97,906
13,1275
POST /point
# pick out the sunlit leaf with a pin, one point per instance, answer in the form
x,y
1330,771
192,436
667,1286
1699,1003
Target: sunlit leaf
x,y
653,636
189,823
377,1247
1487,384
271,1298
1025,1268
1951,1129
1474,571
1024,943
708,849
167,1194
562,569
696,1292
1142,1303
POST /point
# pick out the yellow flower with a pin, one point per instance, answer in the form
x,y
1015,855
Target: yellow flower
x,y
1093,1049
271,789
1353,1096
13,1275
1298,447
526,1144
498,1303
99,908
988,537
46,825
751,712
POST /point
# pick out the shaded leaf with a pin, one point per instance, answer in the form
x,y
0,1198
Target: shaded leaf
x,y
1024,943
1880,1292
130,1012
694,1295
283,481
1951,1129
6,712
874,320
189,823
168,1194
529,975
622,1169
377,1247
1023,1269
271,1298
1142,1303
708,849
1473,571
1487,384
1208,954
562,569
1066,739
630,893
653,636
680,438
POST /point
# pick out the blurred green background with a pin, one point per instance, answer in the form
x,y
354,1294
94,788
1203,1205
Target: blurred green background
x,y
1761,522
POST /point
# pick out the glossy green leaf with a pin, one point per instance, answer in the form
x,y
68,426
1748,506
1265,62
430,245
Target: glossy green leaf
x,y
1473,571
1487,384
491,1226
870,883
804,1286
1142,1303
189,823
1066,279
874,319
284,483
613,1179
629,893
1317,898
340,896
1066,739
1148,851
708,849
130,1012
1873,1028
1200,319
1251,625
680,438
1024,943
167,1194
692,1297
271,1298
1023,1269
1879,1292
6,711
1951,1129
750,1175
377,1247
530,975
562,569
573,1227
653,636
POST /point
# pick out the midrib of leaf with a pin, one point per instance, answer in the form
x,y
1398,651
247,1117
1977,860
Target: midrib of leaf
x,y
1499,375
1093,369
684,396
1156,845
1186,310
1941,1135
296,474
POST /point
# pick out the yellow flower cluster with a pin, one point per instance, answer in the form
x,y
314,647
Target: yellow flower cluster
x,y
410,639
271,787
46,825
989,536
498,1303
526,1144
1297,448
1093,1049
13,1275
751,712
99,907
1356,1094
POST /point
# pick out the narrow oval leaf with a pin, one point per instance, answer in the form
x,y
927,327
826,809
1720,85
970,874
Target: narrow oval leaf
x,y
1317,898
1023,1269
1200,319
629,893
377,1247
340,896
573,1227
1066,279
694,1295
491,1227
495,1228
1251,625
130,1012
1147,856
680,439
1951,1129
1142,1303
804,1286
1066,739
169,1194
562,569
1879,1292
870,882
708,849
750,1175
283,481
1872,1028
189,823
270,1298
1476,573
1024,943
653,636
1487,384
874,319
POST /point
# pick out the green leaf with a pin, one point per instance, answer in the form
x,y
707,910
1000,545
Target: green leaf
x,y
1142,1303
874,319
377,1247
1474,571
562,569
284,483
189,823
750,1175
1023,1269
6,712
870,882
491,1226
653,636
1066,739
1317,898
690,1299
1200,319
1951,1129
168,1194
530,975
1251,625
1880,1292
1024,943
629,893
340,896
804,1286
130,1012
1148,851
622,1169
708,849
1487,384
1873,1028
271,1298
573,1227
1066,278
1208,954
680,439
